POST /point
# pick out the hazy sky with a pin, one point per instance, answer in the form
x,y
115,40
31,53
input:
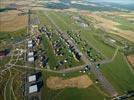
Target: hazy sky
x,y
115,1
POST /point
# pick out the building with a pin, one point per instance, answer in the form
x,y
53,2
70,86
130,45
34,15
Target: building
x,y
32,78
33,89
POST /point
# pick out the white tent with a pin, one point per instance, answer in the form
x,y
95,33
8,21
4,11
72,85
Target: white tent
x,y
31,59
32,78
30,45
33,89
30,42
30,54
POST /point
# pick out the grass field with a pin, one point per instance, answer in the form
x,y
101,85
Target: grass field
x,y
125,24
11,84
91,92
62,20
118,71
11,78
111,25
3,61
4,78
69,93
52,59
21,33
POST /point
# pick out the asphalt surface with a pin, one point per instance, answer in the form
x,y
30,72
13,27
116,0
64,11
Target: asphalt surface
x,y
104,82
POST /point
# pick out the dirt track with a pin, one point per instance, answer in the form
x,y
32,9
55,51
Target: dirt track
x,y
56,83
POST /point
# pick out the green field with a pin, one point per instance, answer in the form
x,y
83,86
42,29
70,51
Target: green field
x,y
62,20
91,92
69,93
118,72
16,34
47,47
125,24
9,85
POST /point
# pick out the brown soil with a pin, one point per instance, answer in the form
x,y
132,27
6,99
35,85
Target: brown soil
x,y
10,21
131,60
56,83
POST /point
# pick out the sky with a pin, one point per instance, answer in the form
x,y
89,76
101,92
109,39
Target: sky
x,y
116,1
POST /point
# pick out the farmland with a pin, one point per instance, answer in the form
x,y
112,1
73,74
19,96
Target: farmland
x,y
115,26
9,18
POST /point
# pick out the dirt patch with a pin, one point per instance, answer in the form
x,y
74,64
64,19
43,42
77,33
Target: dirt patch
x,y
56,83
10,21
131,60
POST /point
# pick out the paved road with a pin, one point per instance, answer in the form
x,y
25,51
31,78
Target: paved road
x,y
104,82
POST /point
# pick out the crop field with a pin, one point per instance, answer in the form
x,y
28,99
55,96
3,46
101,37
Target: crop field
x,y
115,70
10,21
124,24
112,26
